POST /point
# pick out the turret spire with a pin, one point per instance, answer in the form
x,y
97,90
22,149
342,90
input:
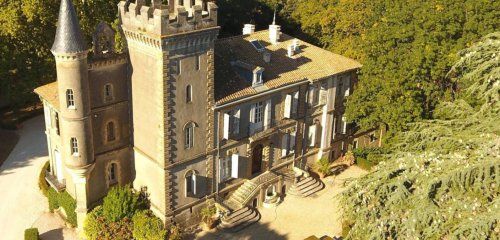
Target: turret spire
x,y
69,37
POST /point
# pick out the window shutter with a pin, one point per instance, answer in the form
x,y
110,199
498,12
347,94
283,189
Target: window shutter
x,y
188,185
267,114
252,118
344,125
236,121
284,143
227,118
292,142
312,135
288,106
295,102
235,165
194,183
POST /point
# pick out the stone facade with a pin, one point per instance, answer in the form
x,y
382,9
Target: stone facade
x,y
187,116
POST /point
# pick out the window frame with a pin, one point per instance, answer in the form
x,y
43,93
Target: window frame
x,y
74,146
189,135
108,92
70,99
259,112
189,93
110,135
112,174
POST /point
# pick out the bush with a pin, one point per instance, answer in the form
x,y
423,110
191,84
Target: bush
x,y
174,233
31,234
121,202
322,167
148,227
42,183
366,158
94,224
69,204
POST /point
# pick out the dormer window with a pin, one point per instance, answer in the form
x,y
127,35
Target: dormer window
x,y
258,77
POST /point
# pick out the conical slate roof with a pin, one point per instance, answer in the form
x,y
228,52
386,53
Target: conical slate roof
x,y
69,37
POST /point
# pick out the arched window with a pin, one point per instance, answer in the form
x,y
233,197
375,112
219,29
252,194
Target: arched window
x,y
189,94
74,146
108,92
189,135
112,174
70,98
190,183
110,130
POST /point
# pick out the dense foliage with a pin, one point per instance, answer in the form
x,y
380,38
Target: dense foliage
x,y
124,215
442,180
31,234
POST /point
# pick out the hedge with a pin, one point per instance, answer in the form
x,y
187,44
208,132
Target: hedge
x,y
366,158
58,199
31,234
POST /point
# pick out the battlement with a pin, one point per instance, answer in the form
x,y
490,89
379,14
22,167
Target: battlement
x,y
163,20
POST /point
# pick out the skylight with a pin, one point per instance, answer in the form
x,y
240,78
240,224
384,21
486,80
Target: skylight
x,y
257,45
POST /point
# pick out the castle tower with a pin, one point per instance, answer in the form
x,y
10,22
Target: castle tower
x,y
171,49
70,51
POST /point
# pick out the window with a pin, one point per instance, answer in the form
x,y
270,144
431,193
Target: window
x,y
259,112
56,123
257,78
112,175
225,168
176,67
312,135
372,138
181,2
347,86
313,95
355,144
108,92
236,121
74,146
288,144
110,129
344,125
189,135
192,3
70,98
190,183
189,94
291,104
198,61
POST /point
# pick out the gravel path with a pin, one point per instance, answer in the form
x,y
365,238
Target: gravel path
x,y
22,204
298,218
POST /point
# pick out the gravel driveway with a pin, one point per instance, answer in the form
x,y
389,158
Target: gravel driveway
x,y
22,204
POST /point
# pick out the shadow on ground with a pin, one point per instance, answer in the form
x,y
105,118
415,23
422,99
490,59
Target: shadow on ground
x,y
256,231
54,234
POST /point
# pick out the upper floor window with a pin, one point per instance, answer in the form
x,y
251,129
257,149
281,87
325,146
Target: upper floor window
x,y
190,183
189,94
56,119
258,77
193,2
108,92
198,61
259,112
313,95
189,135
70,98
344,125
74,146
110,130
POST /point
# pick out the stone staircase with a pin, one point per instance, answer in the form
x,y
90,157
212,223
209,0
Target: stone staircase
x,y
306,187
239,219
242,195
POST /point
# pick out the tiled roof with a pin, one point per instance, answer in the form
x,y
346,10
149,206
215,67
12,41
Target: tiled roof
x,y
310,62
49,93
69,37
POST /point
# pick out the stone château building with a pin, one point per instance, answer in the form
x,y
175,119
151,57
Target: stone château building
x,y
187,116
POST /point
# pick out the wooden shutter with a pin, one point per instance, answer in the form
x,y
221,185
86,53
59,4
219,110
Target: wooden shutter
x,y
267,114
288,106
252,118
227,119
284,145
235,165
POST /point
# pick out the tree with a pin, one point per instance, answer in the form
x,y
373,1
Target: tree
x,y
441,180
120,202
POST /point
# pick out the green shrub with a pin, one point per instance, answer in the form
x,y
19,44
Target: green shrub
x,y
94,223
322,167
69,204
31,234
53,199
96,226
174,233
148,227
366,158
121,202
42,183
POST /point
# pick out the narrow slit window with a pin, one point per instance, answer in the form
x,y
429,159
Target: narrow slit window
x,y
189,94
188,136
197,59
108,92
111,131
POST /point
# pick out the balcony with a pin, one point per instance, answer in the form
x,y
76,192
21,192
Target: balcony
x,y
259,132
53,182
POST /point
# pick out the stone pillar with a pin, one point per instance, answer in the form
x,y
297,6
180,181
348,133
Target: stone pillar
x,y
80,179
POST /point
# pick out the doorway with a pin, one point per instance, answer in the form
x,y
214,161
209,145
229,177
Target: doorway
x,y
257,159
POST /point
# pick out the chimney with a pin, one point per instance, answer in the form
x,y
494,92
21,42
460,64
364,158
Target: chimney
x,y
248,29
267,56
296,44
291,50
274,31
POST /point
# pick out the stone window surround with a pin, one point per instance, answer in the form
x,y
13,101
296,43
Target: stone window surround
x,y
189,136
108,93
117,173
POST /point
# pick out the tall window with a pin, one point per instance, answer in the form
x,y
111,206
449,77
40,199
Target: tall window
x,y
225,168
189,135
259,112
189,94
192,2
70,98
108,92
112,178
190,183
198,60
74,146
110,129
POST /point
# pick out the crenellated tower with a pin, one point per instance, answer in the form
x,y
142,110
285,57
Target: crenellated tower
x,y
71,51
171,49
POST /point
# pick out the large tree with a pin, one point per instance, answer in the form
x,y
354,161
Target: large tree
x,y
442,179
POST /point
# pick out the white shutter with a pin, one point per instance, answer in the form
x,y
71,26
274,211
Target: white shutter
x,y
227,118
344,125
267,114
252,118
288,106
236,121
187,181
295,102
194,183
292,142
235,165
284,143
312,135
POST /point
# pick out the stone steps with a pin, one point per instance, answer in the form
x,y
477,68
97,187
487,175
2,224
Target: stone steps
x,y
239,219
306,187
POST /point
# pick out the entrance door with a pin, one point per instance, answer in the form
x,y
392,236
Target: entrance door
x,y
59,166
257,159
